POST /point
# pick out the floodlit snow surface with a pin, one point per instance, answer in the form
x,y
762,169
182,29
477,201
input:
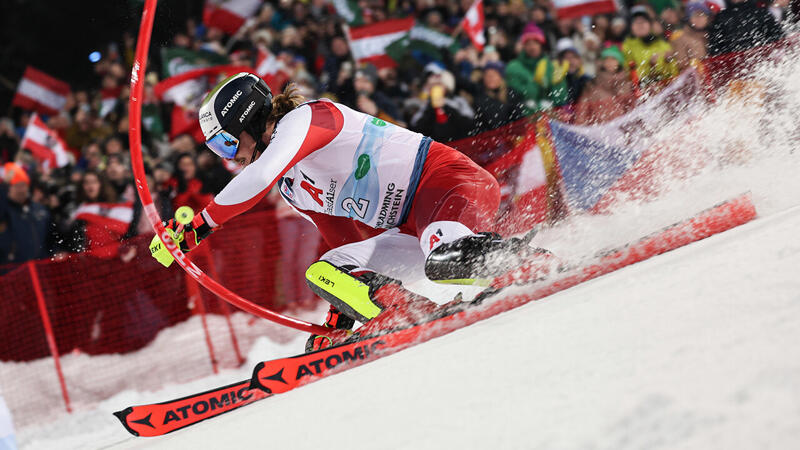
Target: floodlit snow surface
x,y
693,349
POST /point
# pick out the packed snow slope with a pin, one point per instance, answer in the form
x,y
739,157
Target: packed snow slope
x,y
696,348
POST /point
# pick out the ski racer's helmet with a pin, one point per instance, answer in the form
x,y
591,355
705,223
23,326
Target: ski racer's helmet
x,y
241,102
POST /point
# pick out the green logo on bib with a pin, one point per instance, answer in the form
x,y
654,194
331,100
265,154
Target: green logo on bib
x,y
378,122
363,167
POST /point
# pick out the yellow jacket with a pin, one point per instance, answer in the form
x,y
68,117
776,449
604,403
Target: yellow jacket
x,y
640,52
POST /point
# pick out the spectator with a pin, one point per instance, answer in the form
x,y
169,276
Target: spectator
x,y
601,25
541,17
652,57
570,61
339,55
95,233
533,74
212,172
391,85
24,224
496,104
119,178
690,42
371,101
740,26
611,94
617,31
668,16
189,189
444,117
9,143
91,157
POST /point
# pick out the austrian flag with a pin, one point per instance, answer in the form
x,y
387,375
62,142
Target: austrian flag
x,y
567,9
44,144
368,43
38,91
473,25
271,69
229,15
114,216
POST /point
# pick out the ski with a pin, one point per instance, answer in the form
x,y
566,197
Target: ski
x,y
281,375
156,419
284,374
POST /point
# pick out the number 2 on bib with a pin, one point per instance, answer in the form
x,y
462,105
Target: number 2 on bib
x,y
359,208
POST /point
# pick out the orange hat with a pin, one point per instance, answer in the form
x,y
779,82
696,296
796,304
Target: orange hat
x,y
15,174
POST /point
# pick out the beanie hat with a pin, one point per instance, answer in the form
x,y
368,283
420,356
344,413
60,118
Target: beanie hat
x,y
697,7
369,72
495,65
566,44
532,31
15,173
640,11
613,52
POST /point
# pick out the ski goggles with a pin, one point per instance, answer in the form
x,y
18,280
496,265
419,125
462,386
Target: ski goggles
x,y
224,144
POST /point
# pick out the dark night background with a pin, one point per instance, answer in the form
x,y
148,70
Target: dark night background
x,y
57,36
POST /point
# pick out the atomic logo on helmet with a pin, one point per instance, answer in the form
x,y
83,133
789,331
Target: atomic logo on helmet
x,y
244,96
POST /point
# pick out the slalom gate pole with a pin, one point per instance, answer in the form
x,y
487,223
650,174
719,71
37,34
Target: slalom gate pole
x,y
48,331
226,309
135,121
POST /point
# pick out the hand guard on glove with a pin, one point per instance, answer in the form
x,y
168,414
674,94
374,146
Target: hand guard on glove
x,y
186,236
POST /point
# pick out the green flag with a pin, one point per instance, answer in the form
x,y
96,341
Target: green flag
x,y
151,120
175,61
349,11
422,40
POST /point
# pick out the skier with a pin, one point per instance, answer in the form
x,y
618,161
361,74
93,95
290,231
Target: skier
x,y
380,196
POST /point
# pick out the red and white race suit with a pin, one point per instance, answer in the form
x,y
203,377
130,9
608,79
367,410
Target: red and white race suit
x,y
338,166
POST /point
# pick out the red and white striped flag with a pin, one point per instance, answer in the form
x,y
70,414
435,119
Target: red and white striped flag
x,y
184,121
45,144
473,25
566,9
368,43
271,69
38,91
188,88
229,15
113,216
108,100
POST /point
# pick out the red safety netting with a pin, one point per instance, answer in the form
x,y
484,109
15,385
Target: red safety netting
x,y
119,305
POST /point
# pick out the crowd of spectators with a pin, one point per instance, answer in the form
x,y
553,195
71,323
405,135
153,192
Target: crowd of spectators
x,y
591,68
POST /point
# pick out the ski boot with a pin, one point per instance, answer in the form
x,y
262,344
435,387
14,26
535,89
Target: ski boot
x,y
482,258
377,301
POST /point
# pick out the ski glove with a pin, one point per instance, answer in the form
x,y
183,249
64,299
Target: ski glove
x,y
188,237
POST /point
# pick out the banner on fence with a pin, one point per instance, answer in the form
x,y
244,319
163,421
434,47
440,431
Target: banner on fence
x,y
595,160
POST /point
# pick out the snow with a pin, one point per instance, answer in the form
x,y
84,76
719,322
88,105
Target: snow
x,y
693,349
39,414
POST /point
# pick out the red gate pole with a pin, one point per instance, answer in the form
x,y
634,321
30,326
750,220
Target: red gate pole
x,y
226,310
48,331
193,289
